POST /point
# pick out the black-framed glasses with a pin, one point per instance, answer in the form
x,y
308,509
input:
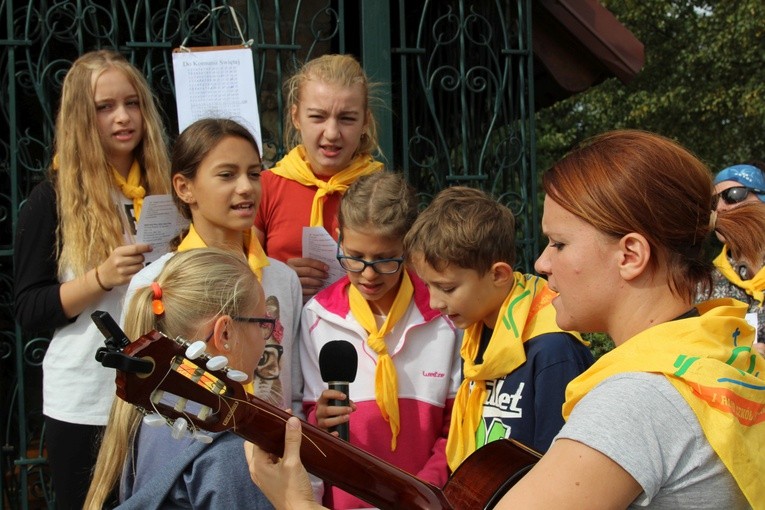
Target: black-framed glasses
x,y
269,365
357,265
266,324
736,194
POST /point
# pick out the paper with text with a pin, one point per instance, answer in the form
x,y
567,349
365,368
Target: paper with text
x,y
160,223
217,83
319,245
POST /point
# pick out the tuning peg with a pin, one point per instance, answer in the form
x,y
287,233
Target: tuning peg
x,y
202,438
217,363
154,420
236,375
180,428
204,412
195,350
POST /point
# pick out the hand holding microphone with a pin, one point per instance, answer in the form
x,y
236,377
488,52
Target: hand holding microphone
x,y
338,363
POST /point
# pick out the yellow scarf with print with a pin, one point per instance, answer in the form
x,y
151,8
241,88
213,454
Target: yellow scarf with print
x,y
295,167
131,187
754,287
256,257
710,361
386,380
525,314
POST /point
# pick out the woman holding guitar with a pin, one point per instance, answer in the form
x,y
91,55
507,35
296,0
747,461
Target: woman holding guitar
x,y
674,416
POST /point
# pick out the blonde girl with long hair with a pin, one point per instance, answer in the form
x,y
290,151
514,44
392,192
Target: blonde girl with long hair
x,y
73,252
211,295
332,134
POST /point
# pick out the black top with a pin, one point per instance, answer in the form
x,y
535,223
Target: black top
x,y
36,284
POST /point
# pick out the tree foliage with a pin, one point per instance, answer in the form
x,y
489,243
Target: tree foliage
x,y
703,83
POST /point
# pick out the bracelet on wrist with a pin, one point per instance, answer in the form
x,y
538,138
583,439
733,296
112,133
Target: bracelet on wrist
x,y
98,281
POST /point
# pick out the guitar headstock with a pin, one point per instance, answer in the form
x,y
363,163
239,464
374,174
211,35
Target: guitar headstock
x,y
180,385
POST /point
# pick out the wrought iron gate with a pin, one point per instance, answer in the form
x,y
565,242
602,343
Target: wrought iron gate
x,y
456,108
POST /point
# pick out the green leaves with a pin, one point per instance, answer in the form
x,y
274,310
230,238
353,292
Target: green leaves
x,y
703,83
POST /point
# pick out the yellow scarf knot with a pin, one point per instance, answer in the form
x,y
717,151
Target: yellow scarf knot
x,y
131,187
386,379
295,167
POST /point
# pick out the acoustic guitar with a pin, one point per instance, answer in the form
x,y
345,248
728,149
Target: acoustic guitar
x,y
155,374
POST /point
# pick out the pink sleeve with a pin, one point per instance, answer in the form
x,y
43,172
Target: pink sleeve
x,y
436,469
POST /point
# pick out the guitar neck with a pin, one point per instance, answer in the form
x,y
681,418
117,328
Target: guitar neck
x,y
336,461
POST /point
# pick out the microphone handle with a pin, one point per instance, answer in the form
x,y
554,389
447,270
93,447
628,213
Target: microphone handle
x,y
342,429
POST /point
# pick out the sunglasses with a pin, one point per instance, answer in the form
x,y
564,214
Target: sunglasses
x,y
736,194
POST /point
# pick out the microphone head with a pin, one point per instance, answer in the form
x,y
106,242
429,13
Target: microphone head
x,y
338,361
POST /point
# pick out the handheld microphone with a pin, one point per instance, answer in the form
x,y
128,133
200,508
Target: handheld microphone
x,y
338,362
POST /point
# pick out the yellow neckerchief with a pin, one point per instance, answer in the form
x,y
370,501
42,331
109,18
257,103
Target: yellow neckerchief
x,y
753,287
709,360
256,257
295,166
386,380
131,187
526,313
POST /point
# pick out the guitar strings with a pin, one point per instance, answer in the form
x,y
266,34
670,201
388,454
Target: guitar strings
x,y
267,411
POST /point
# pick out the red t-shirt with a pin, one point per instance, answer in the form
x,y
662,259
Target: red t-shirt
x,y
285,208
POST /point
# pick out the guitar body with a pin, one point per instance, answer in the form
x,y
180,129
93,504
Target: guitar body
x,y
488,473
478,483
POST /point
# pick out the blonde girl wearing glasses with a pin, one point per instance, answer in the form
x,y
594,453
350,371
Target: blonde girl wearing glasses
x,y
205,294
383,310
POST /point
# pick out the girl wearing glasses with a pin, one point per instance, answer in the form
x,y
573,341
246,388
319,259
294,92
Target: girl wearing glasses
x,y
216,184
739,269
408,354
210,295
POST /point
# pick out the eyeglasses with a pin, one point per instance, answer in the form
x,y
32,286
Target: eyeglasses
x,y
269,365
736,194
357,265
266,324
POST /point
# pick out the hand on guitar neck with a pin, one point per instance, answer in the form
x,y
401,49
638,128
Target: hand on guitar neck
x,y
283,480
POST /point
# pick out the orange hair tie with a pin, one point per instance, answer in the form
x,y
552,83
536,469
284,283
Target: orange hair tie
x,y
156,304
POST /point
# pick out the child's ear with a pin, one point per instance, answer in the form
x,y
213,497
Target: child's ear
x,y
294,116
501,273
634,255
222,333
183,189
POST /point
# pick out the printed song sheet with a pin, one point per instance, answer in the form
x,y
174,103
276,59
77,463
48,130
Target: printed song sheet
x,y
217,83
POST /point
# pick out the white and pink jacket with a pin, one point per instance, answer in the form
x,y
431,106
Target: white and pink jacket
x,y
425,348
